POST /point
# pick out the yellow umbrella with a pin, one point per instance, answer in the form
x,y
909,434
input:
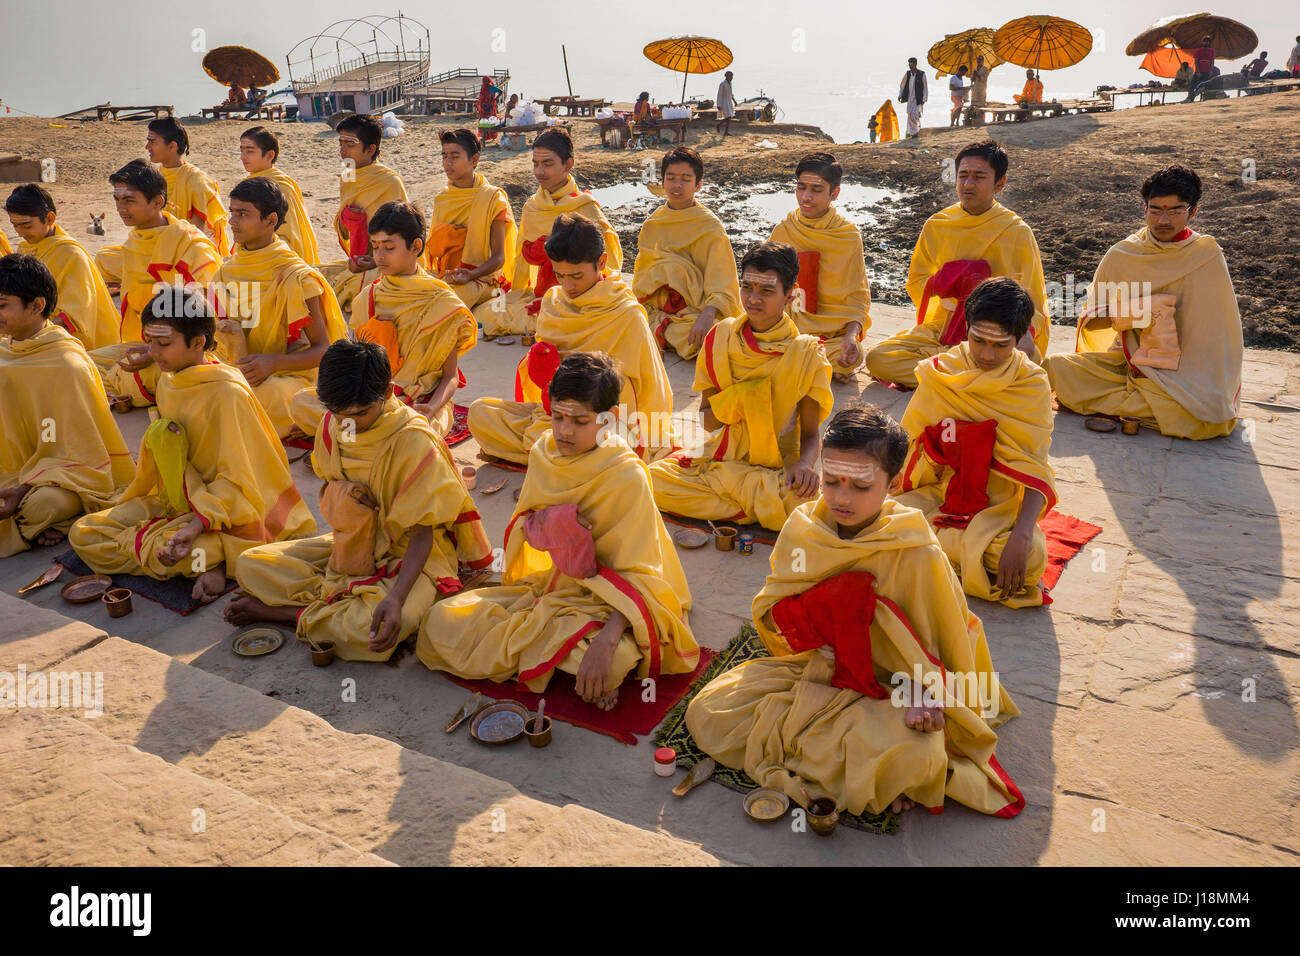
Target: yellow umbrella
x,y
1042,42
961,49
238,64
690,54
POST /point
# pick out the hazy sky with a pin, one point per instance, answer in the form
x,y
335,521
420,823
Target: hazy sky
x,y
58,55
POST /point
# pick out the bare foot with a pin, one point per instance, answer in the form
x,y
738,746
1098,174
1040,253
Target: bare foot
x,y
49,536
245,610
925,719
209,585
901,804
609,701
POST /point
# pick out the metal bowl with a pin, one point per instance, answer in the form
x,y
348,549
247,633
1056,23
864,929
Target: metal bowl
x,y
499,723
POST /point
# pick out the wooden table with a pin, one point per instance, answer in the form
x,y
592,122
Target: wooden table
x,y
675,126
269,111
520,130
607,123
573,105
108,109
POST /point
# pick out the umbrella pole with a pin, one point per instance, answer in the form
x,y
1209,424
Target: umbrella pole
x,y
564,53
685,73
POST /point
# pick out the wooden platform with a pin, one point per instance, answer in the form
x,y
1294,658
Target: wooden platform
x,y
268,111
573,105
112,112
523,130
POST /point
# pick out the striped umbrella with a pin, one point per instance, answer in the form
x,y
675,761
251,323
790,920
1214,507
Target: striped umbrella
x,y
958,49
690,54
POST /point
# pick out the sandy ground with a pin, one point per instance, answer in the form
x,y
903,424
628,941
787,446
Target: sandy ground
x,y
1074,179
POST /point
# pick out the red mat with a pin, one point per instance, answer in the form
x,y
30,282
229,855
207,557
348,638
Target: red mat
x,y
459,431
1066,536
632,715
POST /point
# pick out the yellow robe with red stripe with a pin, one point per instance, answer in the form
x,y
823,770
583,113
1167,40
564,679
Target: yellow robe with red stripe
x,y
429,323
540,620
605,318
5,248
999,237
58,436
296,229
952,388
236,478
85,307
412,477
516,311
268,289
843,293
460,236
176,252
782,721
684,260
760,378
368,187
1198,399
192,193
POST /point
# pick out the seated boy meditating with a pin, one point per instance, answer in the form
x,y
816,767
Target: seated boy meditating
x,y
835,298
958,248
404,527
259,150
880,692
62,454
472,234
585,311
685,273
192,195
85,309
422,325
557,192
212,478
1161,337
765,390
160,250
592,584
980,426
276,314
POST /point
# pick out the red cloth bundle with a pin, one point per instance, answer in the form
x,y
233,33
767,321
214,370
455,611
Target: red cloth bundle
x,y
837,613
970,456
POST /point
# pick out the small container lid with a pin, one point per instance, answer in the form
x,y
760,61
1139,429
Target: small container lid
x,y
665,755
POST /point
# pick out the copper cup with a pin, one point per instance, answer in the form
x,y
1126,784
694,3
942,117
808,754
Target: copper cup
x,y
823,816
323,657
536,737
118,601
1129,426
725,539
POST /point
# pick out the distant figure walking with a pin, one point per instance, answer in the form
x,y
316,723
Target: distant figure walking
x,y
913,91
726,102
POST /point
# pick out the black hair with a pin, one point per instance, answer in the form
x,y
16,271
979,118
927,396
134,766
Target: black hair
x,y
591,378
26,278
353,373
463,138
989,150
400,219
778,257
683,154
1176,180
32,200
823,165
265,194
963,68
867,429
366,128
266,141
143,177
575,238
557,140
185,310
1002,301
170,129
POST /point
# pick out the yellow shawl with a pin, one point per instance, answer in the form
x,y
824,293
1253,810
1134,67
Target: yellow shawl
x,y
368,187
999,237
85,307
1207,382
57,426
535,222
296,229
922,625
193,193
761,378
5,248
688,251
474,208
843,294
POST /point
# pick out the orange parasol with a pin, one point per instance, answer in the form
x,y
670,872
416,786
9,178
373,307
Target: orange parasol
x,y
238,64
690,54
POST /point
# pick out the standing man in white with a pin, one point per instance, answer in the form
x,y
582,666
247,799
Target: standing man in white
x,y
957,90
726,102
914,92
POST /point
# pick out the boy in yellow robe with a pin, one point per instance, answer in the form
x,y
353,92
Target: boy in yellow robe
x,y
366,586
365,184
1184,379
192,194
881,693
959,247
592,584
5,248
61,454
85,309
515,311
472,234
765,390
276,314
420,322
259,151
159,250
212,478
685,273
586,311
980,426
834,298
